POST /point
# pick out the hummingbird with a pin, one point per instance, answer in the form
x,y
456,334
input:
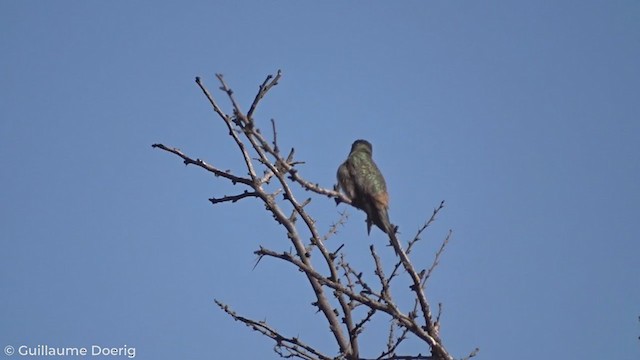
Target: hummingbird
x,y
362,182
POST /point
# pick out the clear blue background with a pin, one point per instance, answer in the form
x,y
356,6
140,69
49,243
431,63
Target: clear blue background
x,y
523,116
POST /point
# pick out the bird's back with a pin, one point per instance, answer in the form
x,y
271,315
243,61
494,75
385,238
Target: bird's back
x,y
371,190
367,177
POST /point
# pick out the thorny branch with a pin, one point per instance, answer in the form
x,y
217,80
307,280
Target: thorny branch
x,y
351,288
291,345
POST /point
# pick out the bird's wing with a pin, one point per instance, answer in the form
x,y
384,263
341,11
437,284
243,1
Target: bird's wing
x,y
345,181
368,179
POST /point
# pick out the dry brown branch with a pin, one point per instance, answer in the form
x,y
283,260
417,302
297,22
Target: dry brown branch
x,y
234,198
417,238
217,172
268,83
291,345
332,277
393,341
436,259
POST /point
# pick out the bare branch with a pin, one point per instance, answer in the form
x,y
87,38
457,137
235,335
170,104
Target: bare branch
x,y
338,196
393,342
275,138
334,227
217,172
213,103
266,85
227,120
386,295
417,238
436,259
229,92
291,345
389,308
234,198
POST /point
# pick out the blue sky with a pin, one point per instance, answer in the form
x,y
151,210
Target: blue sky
x,y
522,116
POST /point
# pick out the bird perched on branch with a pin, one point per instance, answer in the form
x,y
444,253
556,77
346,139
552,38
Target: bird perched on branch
x,y
362,182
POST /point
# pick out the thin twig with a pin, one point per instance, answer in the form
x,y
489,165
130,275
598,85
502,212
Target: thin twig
x,y
217,172
266,86
417,238
436,259
227,120
234,198
275,136
292,345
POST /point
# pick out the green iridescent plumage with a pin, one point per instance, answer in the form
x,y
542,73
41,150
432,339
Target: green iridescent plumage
x,y
363,183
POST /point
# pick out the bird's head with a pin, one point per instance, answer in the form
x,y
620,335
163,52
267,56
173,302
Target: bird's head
x,y
363,146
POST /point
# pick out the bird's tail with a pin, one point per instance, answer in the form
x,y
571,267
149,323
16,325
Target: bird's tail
x,y
390,229
395,242
383,221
